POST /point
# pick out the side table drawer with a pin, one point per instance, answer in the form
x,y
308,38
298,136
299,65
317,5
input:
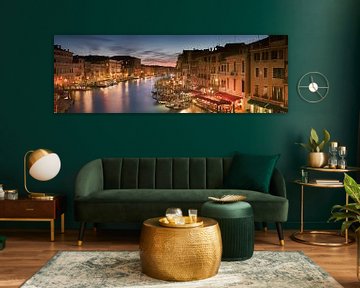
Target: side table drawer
x,y
29,209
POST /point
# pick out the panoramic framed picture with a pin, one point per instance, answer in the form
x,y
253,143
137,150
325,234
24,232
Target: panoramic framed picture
x,y
171,74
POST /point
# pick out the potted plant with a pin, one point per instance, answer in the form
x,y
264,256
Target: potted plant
x,y
350,213
317,157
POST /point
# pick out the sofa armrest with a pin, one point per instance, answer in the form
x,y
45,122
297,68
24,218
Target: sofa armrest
x,y
89,179
277,184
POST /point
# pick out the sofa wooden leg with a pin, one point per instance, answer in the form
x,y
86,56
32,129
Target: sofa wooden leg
x,y
265,227
280,233
81,233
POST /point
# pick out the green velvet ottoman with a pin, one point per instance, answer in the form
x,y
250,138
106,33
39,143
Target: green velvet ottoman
x,y
236,221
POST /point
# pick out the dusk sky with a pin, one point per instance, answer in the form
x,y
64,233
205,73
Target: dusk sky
x,y
151,49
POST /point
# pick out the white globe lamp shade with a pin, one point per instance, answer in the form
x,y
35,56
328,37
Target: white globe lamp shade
x,y
44,164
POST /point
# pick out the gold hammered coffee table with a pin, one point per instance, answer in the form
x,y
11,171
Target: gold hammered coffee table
x,y
180,254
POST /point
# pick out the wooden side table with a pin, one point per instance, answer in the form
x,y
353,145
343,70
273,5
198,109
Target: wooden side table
x,y
27,209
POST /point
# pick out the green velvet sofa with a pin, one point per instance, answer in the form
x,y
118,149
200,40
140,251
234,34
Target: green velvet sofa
x,y
130,190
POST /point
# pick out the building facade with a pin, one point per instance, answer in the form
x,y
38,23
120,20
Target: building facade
x,y
254,77
63,66
269,75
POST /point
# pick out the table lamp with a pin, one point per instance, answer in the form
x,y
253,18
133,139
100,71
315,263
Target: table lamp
x,y
43,165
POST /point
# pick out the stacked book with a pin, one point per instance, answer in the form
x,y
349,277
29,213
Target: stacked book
x,y
328,181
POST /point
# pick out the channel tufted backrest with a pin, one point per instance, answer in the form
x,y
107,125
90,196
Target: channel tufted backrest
x,y
164,173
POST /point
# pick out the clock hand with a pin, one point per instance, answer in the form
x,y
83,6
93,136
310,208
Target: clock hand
x,y
321,96
312,84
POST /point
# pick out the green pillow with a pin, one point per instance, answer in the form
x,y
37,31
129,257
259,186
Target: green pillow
x,y
251,172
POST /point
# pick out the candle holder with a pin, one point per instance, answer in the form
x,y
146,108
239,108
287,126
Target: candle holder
x,y
333,149
342,154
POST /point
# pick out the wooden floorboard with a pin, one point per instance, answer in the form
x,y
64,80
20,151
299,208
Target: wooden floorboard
x,y
28,250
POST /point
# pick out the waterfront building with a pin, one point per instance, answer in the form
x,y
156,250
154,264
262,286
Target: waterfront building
x,y
100,69
63,67
268,75
114,69
203,71
232,74
131,66
79,70
216,72
252,77
95,71
187,67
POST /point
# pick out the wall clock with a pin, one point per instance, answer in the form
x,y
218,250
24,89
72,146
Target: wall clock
x,y
313,87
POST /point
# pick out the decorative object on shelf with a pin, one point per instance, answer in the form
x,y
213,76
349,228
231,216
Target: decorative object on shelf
x,y
332,163
313,87
228,198
11,194
43,165
342,153
316,158
304,176
327,181
350,213
2,192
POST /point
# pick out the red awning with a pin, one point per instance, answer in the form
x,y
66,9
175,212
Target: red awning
x,y
227,96
212,100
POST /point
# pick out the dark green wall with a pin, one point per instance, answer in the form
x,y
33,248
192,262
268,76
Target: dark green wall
x,y
323,36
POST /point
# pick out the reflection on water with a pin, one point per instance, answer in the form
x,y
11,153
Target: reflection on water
x,y
133,96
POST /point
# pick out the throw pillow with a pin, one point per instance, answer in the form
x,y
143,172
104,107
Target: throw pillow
x,y
251,172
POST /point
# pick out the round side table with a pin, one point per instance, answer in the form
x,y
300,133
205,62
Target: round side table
x,y
180,254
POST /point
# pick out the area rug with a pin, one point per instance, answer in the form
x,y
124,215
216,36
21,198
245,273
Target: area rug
x,y
80,269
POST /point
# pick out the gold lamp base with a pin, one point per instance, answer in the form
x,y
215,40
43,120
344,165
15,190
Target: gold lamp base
x,y
41,196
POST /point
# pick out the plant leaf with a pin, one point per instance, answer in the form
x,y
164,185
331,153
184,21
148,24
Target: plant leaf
x,y
306,146
346,225
352,207
321,146
314,135
352,188
326,136
337,216
312,144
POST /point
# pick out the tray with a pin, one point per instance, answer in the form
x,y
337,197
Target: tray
x,y
164,222
228,198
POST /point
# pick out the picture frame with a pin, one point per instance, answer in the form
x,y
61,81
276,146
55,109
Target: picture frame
x,y
222,74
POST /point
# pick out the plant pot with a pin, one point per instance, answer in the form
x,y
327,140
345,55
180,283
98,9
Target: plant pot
x,y
317,159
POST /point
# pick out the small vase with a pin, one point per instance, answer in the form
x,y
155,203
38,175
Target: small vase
x,y
317,159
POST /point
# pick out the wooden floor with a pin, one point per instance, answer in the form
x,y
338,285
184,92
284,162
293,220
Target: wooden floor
x,y
28,250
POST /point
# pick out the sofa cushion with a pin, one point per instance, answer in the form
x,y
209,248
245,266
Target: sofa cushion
x,y
266,207
251,172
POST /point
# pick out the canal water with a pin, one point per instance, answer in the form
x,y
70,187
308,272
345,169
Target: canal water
x,y
132,96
